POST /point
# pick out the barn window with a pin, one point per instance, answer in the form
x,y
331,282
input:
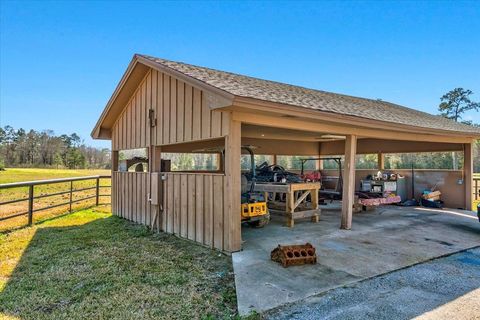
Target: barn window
x,y
192,161
133,160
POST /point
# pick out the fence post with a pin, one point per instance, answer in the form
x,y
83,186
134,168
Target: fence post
x,y
477,190
71,196
97,191
30,205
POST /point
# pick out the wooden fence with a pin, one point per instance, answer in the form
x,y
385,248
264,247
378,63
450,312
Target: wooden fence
x,y
31,197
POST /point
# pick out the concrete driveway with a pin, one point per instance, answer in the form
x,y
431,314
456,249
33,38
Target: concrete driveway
x,y
384,240
444,288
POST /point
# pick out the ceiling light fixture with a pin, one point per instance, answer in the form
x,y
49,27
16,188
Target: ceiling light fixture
x,y
332,136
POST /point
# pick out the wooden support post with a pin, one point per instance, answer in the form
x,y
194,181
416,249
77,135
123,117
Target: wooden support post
x,y
30,205
348,182
155,159
155,166
232,188
114,181
381,161
319,162
71,197
468,174
97,191
221,162
114,161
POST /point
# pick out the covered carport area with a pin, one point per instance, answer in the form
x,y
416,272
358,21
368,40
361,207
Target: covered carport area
x,y
351,246
290,131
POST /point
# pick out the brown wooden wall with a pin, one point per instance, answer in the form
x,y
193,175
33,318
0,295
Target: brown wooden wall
x,y
194,204
194,208
130,196
199,206
183,114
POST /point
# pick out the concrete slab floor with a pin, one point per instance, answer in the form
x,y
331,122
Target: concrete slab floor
x,y
380,241
443,288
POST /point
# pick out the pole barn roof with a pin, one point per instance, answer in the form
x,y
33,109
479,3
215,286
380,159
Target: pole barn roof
x,y
228,86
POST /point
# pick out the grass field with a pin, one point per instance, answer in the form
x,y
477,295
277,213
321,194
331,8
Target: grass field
x,y
29,174
91,265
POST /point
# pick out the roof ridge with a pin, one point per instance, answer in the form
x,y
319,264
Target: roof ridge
x,y
271,90
260,79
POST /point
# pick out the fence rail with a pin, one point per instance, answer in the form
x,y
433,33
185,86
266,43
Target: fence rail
x,y
31,194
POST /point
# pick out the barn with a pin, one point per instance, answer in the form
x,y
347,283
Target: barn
x,y
166,107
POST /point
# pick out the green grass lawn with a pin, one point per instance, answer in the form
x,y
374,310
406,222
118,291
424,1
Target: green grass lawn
x,y
91,265
30,174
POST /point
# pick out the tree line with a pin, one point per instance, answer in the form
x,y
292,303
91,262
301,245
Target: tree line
x,y
21,148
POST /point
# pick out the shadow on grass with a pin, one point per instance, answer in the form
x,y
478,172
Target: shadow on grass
x,y
110,268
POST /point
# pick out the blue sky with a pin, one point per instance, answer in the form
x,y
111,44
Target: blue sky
x,y
60,61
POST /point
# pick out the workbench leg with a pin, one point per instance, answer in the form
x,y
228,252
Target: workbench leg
x,y
290,222
314,199
290,209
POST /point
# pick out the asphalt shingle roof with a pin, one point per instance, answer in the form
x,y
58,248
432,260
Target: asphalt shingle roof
x,y
249,87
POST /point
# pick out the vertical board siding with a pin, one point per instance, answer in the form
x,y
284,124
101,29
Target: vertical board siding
x,y
166,109
194,204
208,213
182,114
197,211
188,113
148,106
197,114
173,110
192,207
159,109
183,212
180,110
130,196
154,104
218,212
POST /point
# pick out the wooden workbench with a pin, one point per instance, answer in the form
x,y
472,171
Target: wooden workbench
x,y
295,205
